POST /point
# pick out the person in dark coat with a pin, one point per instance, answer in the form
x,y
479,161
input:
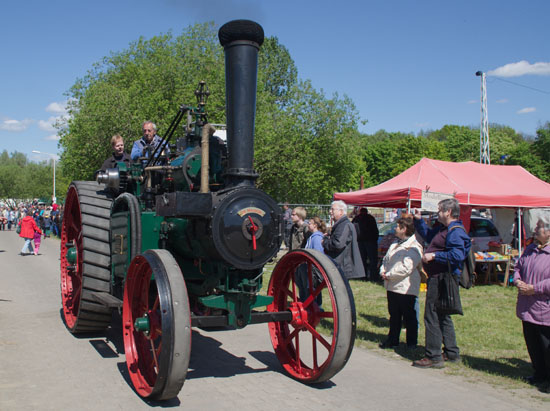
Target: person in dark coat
x,y
117,143
341,243
367,239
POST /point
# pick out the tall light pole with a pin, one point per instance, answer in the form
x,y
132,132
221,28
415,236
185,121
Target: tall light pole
x,y
53,156
484,150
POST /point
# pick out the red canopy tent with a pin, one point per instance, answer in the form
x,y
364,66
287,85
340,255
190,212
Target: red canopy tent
x,y
473,184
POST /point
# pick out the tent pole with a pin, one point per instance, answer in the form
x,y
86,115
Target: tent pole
x,y
519,232
409,205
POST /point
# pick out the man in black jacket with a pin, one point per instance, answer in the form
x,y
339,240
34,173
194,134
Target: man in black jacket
x,y
341,244
367,239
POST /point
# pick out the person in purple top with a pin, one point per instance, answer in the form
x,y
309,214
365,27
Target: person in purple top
x,y
532,279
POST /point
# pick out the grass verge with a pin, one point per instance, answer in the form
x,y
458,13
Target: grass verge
x,y
489,334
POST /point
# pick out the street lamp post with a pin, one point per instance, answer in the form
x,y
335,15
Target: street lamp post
x,y
54,198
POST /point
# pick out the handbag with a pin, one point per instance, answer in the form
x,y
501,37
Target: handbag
x,y
448,301
18,229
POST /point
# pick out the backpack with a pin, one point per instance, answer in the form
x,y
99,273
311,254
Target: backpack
x,y
468,270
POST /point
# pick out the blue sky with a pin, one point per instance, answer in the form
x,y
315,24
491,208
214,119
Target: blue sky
x,y
407,65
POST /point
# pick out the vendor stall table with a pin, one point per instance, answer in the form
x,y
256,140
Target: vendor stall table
x,y
492,260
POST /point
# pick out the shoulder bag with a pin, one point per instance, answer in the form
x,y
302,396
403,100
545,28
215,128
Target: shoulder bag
x,y
448,302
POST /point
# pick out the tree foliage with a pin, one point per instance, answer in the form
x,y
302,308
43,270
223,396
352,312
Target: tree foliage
x,y
24,180
307,145
303,139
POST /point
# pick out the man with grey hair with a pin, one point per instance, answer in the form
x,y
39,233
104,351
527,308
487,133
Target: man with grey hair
x,y
532,279
448,247
145,146
341,243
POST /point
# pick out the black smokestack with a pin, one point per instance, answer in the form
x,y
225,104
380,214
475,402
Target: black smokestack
x,y
241,40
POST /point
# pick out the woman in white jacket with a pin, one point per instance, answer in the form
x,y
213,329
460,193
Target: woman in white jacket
x,y
401,275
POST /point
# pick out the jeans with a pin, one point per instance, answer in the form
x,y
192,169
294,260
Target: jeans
x,y
27,247
439,328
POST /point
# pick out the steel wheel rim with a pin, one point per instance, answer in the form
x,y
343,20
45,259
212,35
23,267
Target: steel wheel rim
x,y
157,359
71,279
285,336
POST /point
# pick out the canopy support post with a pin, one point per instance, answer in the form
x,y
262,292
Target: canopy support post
x,y
520,229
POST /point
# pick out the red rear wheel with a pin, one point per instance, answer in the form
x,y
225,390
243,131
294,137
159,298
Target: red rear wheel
x,y
85,256
318,341
157,325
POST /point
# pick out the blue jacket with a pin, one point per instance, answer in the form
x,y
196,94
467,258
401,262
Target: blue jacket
x,y
457,243
137,148
315,241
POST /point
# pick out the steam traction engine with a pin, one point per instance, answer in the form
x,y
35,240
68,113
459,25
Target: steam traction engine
x,y
180,240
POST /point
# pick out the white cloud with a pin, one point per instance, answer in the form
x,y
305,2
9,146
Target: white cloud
x,y
521,68
57,108
47,125
9,124
502,101
425,124
53,137
473,101
526,110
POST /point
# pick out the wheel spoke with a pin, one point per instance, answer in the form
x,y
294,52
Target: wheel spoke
x,y
313,294
311,363
314,350
154,355
159,373
318,336
287,341
297,349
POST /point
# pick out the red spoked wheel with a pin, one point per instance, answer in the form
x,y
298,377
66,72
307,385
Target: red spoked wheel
x,y
318,341
157,325
85,256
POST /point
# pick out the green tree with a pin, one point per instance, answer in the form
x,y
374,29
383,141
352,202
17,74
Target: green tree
x,y
303,139
542,144
277,73
461,142
389,154
310,149
148,81
503,140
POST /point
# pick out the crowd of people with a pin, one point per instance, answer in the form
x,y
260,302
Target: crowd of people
x,y
33,221
421,251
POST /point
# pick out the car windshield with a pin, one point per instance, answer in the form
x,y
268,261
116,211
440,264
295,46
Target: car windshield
x,y
387,229
482,228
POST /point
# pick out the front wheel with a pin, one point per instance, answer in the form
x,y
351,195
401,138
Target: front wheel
x,y
318,341
157,325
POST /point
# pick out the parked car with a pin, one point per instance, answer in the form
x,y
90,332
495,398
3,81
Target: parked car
x,y
482,232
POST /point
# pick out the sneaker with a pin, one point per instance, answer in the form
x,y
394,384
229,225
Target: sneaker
x,y
427,363
451,359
